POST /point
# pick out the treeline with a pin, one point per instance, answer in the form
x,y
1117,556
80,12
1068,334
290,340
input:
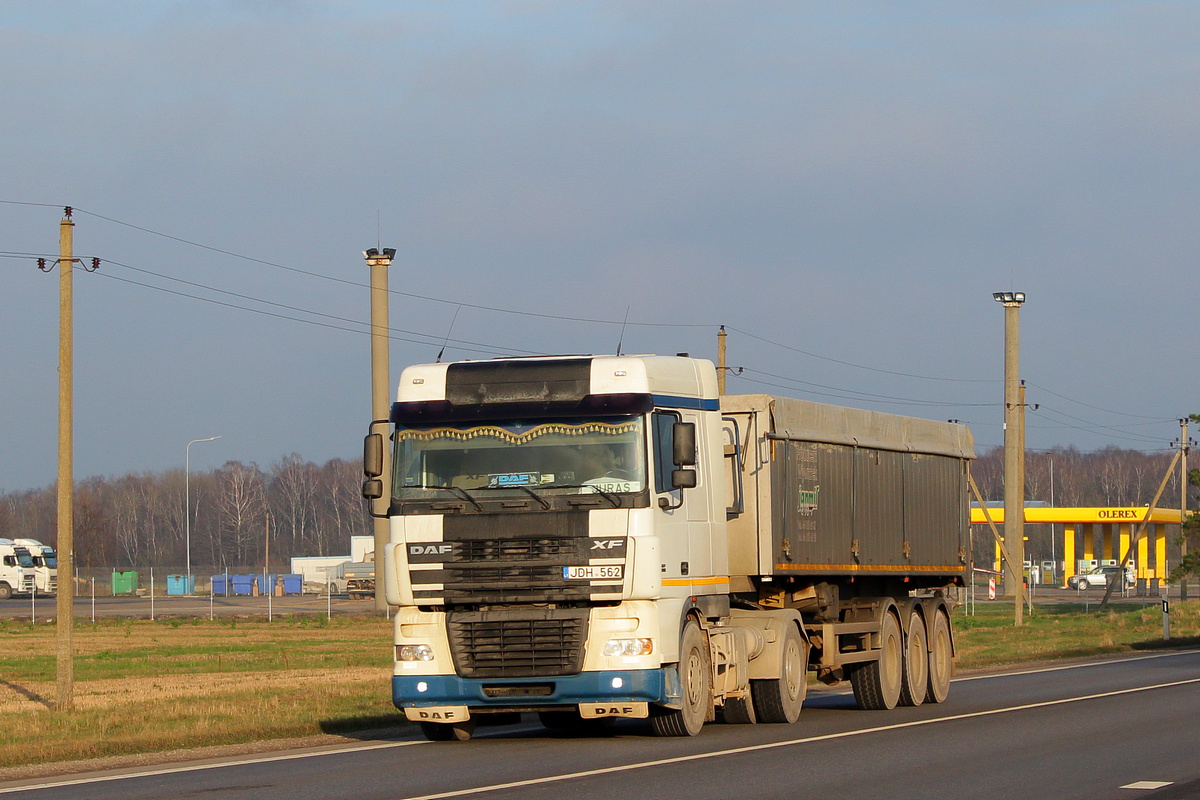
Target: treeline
x,y
295,507
307,509
1067,477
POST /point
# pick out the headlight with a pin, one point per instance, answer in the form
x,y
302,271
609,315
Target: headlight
x,y
629,647
414,652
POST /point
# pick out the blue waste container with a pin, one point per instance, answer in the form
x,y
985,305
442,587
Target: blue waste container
x,y
293,584
219,584
178,585
265,584
242,584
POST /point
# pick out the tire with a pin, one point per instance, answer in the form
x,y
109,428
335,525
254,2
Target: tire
x,y
941,659
739,711
916,662
448,731
5,591
779,700
695,678
877,683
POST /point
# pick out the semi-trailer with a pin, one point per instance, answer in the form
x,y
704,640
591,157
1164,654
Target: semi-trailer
x,y
592,537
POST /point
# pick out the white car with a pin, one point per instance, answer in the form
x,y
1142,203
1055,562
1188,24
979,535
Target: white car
x,y
1100,576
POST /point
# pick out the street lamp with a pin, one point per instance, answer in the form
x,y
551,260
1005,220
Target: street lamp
x,y
379,261
187,502
1014,490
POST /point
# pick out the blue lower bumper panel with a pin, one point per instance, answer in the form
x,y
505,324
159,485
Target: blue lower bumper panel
x,y
653,686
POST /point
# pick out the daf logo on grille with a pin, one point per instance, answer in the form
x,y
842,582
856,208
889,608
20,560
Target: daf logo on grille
x,y
429,549
607,544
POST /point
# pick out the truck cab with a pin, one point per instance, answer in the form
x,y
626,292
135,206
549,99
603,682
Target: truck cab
x,y
17,570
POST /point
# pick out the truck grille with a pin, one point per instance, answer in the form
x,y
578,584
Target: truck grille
x,y
527,643
505,558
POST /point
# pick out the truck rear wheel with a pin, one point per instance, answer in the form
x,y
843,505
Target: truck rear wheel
x,y
877,683
780,699
695,678
916,663
941,659
448,731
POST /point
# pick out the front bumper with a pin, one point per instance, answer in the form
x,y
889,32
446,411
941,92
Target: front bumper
x,y
659,686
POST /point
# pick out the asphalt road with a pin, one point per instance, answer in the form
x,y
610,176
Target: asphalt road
x,y
1121,728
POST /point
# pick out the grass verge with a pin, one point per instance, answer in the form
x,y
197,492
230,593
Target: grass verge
x,y
144,687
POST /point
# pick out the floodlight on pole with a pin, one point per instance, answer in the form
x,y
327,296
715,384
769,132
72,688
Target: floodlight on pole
x,y
1014,491
187,503
379,260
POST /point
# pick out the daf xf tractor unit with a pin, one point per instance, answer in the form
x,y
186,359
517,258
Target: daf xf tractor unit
x,y
594,537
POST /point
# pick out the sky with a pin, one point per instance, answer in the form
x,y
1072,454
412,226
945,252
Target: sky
x,y
841,185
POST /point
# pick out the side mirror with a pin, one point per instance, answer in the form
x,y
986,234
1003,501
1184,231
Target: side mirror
x,y
373,458
684,436
683,478
372,489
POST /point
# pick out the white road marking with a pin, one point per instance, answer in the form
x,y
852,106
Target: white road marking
x,y
1147,785
788,743
197,767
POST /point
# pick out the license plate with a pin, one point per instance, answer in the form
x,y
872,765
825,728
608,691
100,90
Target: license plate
x,y
616,573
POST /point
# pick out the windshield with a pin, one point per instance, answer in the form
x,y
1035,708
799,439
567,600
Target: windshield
x,y
47,559
23,557
586,455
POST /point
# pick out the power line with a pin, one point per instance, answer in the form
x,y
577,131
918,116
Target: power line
x,y
436,338
857,395
1098,408
285,316
311,274
858,366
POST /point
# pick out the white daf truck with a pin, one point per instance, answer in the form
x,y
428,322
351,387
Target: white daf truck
x,y
598,537
17,571
45,564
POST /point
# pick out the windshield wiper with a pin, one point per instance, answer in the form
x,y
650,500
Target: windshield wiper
x,y
535,496
609,496
461,492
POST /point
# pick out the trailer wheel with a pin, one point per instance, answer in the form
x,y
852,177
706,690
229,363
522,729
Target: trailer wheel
x,y
695,677
780,699
916,663
877,683
941,659
448,731
5,591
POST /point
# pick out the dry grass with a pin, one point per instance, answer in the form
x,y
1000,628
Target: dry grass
x,y
143,686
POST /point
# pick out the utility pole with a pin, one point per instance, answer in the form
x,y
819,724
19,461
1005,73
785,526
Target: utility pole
x,y
1014,489
721,362
1184,446
64,625
379,261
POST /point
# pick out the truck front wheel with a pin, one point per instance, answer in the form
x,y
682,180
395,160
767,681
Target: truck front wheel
x,y
448,731
5,591
695,677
